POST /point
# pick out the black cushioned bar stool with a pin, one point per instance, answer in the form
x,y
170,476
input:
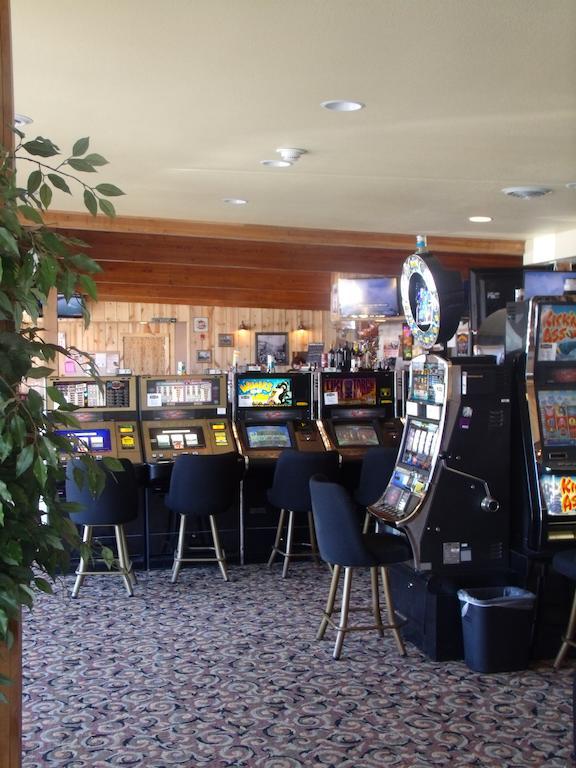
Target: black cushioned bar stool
x,y
290,493
343,545
377,467
565,563
115,506
203,486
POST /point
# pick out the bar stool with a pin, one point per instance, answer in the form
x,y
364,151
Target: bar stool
x,y
565,563
203,486
343,545
115,506
377,467
290,493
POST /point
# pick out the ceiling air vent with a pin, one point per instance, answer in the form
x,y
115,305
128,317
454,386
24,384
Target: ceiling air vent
x,y
526,193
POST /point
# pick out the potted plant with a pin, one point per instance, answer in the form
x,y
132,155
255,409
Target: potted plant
x,y
36,534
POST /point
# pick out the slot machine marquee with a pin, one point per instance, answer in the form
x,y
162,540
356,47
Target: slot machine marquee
x,y
184,414
356,410
273,412
545,437
107,412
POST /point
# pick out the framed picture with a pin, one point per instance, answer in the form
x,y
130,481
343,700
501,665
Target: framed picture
x,y
203,355
200,324
275,344
225,339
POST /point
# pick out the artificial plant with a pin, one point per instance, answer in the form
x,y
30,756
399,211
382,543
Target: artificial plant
x,y
36,534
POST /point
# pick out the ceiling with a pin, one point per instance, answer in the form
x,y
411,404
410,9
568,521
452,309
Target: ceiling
x,y
186,97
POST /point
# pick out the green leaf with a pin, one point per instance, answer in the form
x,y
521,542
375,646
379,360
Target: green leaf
x,y
107,556
113,464
24,460
95,159
40,471
59,183
42,147
89,286
90,202
39,372
43,585
84,263
30,213
80,146
107,208
110,190
8,242
34,181
81,165
45,195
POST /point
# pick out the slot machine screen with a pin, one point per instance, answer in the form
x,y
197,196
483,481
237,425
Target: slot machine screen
x,y
427,383
190,391
557,336
268,436
91,394
89,440
338,390
419,444
559,492
355,435
557,409
177,438
269,392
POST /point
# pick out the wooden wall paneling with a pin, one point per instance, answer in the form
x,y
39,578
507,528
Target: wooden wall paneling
x,y
146,354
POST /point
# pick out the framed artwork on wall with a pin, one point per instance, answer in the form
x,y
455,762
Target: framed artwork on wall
x,y
203,355
225,339
275,344
200,324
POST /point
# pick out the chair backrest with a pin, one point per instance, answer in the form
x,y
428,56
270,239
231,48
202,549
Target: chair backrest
x,y
338,529
203,485
291,483
118,502
377,467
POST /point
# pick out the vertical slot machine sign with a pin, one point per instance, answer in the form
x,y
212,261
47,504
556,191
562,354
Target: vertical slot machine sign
x,y
440,490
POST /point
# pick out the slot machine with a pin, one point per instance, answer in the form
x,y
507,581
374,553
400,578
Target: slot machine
x,y
543,331
272,412
356,410
182,414
108,415
449,491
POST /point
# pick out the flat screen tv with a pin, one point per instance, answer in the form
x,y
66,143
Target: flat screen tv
x,y
347,391
368,297
88,440
264,392
268,436
196,391
71,308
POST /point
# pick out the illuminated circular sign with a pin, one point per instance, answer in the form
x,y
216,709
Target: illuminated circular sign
x,y
432,299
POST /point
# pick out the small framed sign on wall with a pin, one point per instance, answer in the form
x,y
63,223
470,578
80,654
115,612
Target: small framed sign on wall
x,y
275,344
200,324
225,339
203,355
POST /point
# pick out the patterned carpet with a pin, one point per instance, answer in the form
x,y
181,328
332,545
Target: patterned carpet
x,y
204,673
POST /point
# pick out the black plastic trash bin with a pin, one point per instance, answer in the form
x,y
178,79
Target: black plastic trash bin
x,y
497,627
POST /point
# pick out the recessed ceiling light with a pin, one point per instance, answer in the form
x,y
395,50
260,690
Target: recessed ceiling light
x,y
22,120
526,193
479,219
341,105
235,201
276,163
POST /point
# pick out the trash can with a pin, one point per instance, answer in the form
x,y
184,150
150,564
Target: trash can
x,y
497,627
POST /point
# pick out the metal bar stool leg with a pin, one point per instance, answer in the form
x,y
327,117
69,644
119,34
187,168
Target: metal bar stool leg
x,y
276,544
330,603
179,554
366,524
131,574
83,565
376,600
122,560
218,549
289,538
344,609
568,639
392,618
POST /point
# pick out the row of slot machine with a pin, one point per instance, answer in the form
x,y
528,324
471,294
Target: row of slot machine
x,y
151,420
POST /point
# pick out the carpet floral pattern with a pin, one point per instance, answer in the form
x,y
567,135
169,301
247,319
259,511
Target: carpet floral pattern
x,y
205,673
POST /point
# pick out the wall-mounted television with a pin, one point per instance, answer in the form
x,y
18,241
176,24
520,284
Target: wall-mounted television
x,y
71,308
368,296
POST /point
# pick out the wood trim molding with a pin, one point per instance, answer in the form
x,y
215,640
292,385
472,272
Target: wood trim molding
x,y
6,83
